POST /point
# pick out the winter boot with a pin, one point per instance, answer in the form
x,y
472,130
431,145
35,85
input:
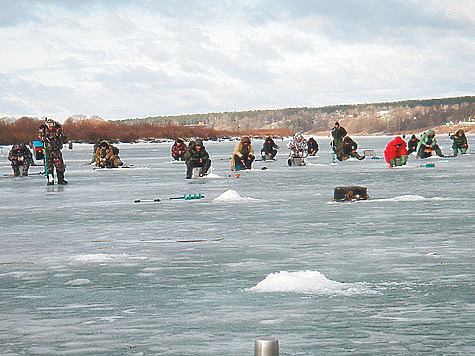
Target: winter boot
x,y
50,177
61,178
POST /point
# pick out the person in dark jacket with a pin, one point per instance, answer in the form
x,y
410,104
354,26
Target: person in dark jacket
x,y
196,156
52,136
20,157
338,133
460,142
412,144
269,149
396,153
312,146
349,149
179,150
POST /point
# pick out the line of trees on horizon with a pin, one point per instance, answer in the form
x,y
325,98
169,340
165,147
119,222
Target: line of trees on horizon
x,y
92,130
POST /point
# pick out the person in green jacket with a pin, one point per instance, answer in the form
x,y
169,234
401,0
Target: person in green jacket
x,y
427,145
460,142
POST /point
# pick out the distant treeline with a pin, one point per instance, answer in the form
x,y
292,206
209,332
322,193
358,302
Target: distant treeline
x,y
25,129
361,118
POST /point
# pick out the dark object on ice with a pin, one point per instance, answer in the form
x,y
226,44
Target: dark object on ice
x,y
350,193
296,161
146,201
38,149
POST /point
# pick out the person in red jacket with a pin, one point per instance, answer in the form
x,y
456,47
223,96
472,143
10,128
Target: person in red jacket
x,y
178,150
396,152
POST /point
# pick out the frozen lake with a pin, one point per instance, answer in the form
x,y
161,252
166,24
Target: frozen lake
x,y
85,270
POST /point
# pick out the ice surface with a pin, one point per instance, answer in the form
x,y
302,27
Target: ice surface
x,y
389,275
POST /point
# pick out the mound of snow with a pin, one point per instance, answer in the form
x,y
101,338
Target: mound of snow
x,y
308,282
231,196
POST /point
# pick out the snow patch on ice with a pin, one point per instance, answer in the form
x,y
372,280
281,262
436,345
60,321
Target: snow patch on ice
x,y
78,282
308,282
100,257
212,176
410,198
231,196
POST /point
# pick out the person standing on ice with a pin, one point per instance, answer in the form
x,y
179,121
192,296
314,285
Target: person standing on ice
x,y
427,145
52,136
243,155
349,149
20,157
396,153
338,133
460,142
412,144
196,156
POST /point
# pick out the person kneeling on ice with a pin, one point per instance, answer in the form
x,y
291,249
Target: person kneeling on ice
x,y
412,144
349,149
21,157
179,150
460,142
428,145
196,156
105,157
312,146
298,148
269,149
243,155
52,136
396,153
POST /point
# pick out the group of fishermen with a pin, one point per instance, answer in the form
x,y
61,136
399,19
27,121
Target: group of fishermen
x,y
106,155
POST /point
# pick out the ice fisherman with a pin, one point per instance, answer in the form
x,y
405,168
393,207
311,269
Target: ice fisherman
x,y
412,144
20,157
460,142
197,156
269,148
298,147
312,145
349,149
52,136
107,155
396,152
428,145
338,133
178,150
243,155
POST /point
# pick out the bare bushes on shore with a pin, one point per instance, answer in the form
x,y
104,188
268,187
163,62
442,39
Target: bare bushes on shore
x,y
25,129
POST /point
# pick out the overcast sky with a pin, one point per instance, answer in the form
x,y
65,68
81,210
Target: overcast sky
x,y
124,59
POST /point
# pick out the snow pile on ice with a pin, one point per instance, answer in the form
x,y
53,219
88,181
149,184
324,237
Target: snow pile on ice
x,y
231,196
308,282
78,282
